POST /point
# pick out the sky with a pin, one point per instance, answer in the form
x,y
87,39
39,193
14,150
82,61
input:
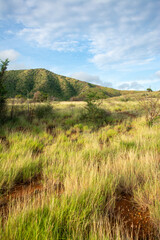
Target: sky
x,y
112,43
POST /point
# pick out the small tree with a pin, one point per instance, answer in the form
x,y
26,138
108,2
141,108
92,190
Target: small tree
x,y
94,113
149,90
3,67
151,107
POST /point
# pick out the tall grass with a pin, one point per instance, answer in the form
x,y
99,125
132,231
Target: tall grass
x,y
95,168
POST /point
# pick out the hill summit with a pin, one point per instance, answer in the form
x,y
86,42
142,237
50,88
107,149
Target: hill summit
x,y
27,82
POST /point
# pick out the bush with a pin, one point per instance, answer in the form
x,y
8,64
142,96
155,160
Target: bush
x,y
3,67
151,106
44,111
95,115
149,90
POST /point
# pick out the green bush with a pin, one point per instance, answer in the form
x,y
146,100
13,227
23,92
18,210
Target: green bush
x,y
94,114
44,111
3,67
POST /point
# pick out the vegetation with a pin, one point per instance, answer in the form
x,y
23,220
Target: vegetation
x,y
3,67
40,97
29,82
151,106
62,178
94,114
149,90
44,111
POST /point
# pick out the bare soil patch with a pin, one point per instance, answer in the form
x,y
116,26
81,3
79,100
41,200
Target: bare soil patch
x,y
135,220
18,194
21,193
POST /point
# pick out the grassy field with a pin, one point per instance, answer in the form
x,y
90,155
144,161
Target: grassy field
x,y
68,175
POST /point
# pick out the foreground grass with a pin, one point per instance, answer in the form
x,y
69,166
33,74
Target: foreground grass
x,y
94,166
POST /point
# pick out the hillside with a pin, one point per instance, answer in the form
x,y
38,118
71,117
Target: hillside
x,y
27,82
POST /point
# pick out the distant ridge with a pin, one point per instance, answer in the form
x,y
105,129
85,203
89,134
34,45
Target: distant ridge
x,y
27,82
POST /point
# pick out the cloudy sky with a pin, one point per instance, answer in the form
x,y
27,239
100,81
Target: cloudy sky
x,y
113,43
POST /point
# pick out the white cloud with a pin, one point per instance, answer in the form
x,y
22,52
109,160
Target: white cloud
x,y
128,50
158,74
114,32
11,54
86,77
90,78
17,66
131,86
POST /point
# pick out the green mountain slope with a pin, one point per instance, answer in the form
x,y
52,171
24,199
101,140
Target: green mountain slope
x,y
27,82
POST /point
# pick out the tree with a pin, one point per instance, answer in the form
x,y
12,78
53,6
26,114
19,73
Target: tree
x,y
3,67
149,90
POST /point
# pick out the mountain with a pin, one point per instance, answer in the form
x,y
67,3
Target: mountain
x,y
27,82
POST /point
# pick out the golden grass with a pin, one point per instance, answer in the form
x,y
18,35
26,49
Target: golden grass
x,y
95,167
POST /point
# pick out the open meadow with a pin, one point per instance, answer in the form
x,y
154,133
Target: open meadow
x,y
80,171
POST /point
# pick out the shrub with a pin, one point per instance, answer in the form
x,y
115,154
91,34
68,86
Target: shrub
x,y
149,90
95,114
3,67
151,107
44,111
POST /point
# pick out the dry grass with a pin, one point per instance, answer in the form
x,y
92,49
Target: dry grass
x,y
95,168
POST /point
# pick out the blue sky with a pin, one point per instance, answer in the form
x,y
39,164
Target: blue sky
x,y
114,43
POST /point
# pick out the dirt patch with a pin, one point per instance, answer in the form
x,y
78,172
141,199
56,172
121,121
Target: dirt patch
x,y
24,192
134,219
18,194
